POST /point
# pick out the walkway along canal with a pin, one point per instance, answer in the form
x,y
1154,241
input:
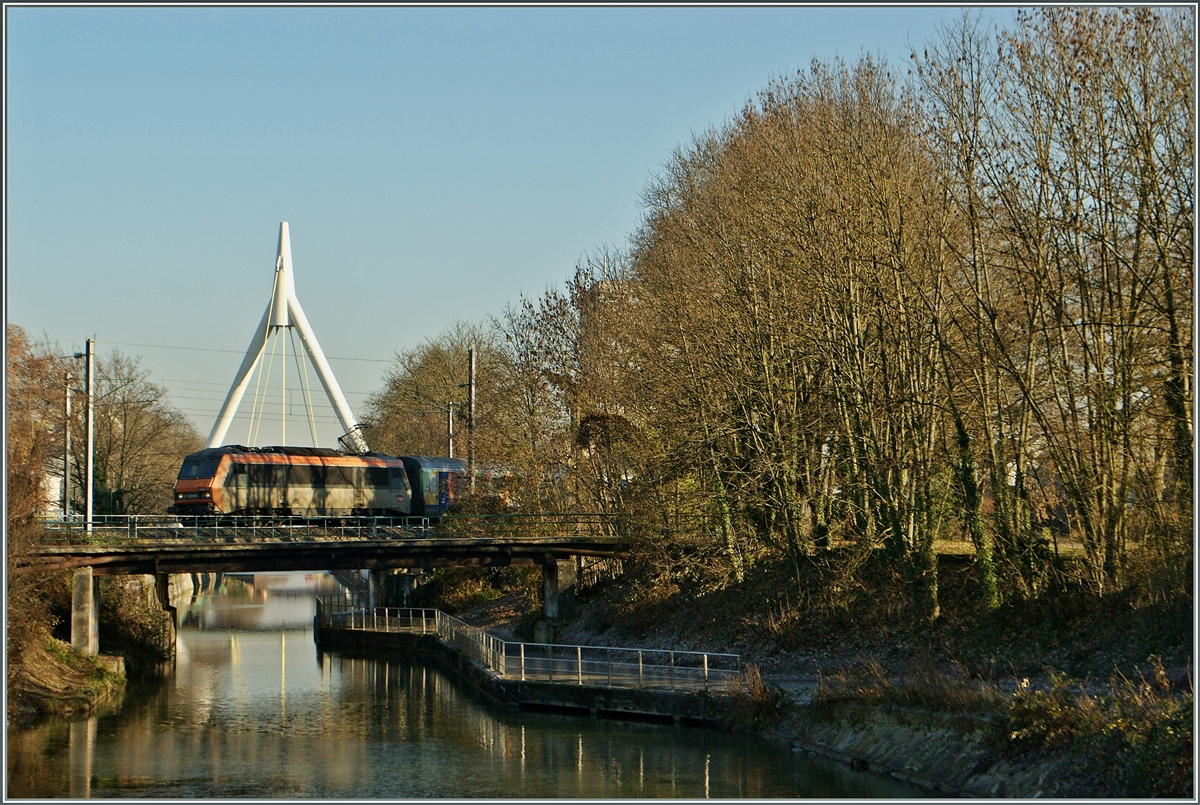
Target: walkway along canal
x,y
254,709
595,679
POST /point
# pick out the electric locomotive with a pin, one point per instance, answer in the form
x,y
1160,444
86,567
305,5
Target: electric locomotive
x,y
291,481
314,482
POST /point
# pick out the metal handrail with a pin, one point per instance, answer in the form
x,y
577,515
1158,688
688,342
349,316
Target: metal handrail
x,y
126,527
602,666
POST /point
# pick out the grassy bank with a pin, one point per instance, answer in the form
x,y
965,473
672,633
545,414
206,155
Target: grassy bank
x,y
1099,688
51,679
1130,739
45,677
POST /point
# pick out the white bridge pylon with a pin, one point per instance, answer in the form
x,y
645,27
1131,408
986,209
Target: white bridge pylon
x,y
284,313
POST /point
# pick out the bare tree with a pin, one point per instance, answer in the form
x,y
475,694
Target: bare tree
x,y
1069,141
140,439
33,421
408,415
791,272
33,382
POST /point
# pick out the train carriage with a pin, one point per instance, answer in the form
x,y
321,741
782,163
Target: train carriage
x,y
436,483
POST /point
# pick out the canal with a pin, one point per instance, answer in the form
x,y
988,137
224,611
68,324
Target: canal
x,y
252,709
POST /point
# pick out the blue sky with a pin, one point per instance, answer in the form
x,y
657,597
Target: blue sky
x,y
434,164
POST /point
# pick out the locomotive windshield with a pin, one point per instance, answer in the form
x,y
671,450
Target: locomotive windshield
x,y
198,468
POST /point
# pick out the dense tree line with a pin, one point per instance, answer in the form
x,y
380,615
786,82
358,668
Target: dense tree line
x,y
872,313
140,441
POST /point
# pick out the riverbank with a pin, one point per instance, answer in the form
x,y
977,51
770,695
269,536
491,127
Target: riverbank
x,y
947,755
46,678
1066,696
52,680
952,756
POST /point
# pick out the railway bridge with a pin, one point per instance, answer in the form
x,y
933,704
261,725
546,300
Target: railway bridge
x,y
389,548
384,546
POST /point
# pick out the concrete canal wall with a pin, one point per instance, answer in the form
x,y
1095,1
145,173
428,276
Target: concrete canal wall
x,y
950,755
697,707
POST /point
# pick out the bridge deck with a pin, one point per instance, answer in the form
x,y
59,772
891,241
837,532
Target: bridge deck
x,y
230,556
136,546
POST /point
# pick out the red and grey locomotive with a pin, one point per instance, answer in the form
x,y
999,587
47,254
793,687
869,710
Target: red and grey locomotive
x,y
313,482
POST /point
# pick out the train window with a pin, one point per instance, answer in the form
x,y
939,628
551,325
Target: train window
x,y
399,478
300,475
377,476
339,476
267,475
198,469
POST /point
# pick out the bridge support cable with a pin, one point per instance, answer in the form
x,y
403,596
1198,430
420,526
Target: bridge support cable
x,y
332,390
306,388
261,387
234,398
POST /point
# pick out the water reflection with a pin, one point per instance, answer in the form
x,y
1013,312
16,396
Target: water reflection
x,y
83,746
252,602
253,710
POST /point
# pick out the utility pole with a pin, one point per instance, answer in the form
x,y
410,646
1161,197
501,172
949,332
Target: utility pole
x,y
450,428
471,416
89,476
67,451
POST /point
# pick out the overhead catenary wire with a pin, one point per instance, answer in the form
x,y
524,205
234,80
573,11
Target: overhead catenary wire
x,y
262,384
240,352
268,416
308,406
173,381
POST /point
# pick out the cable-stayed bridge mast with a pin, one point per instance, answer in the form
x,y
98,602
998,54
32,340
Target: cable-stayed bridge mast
x,y
284,314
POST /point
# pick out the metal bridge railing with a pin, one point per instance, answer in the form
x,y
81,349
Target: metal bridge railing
x,y
603,666
159,527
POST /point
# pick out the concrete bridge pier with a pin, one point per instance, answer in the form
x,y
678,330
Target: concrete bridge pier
x,y
390,588
408,583
558,587
377,588
558,595
85,613
162,587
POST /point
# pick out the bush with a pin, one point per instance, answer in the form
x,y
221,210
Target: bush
x,y
1133,741
754,705
28,617
1161,764
454,589
133,623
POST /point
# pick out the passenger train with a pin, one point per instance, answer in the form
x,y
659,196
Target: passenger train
x,y
314,482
